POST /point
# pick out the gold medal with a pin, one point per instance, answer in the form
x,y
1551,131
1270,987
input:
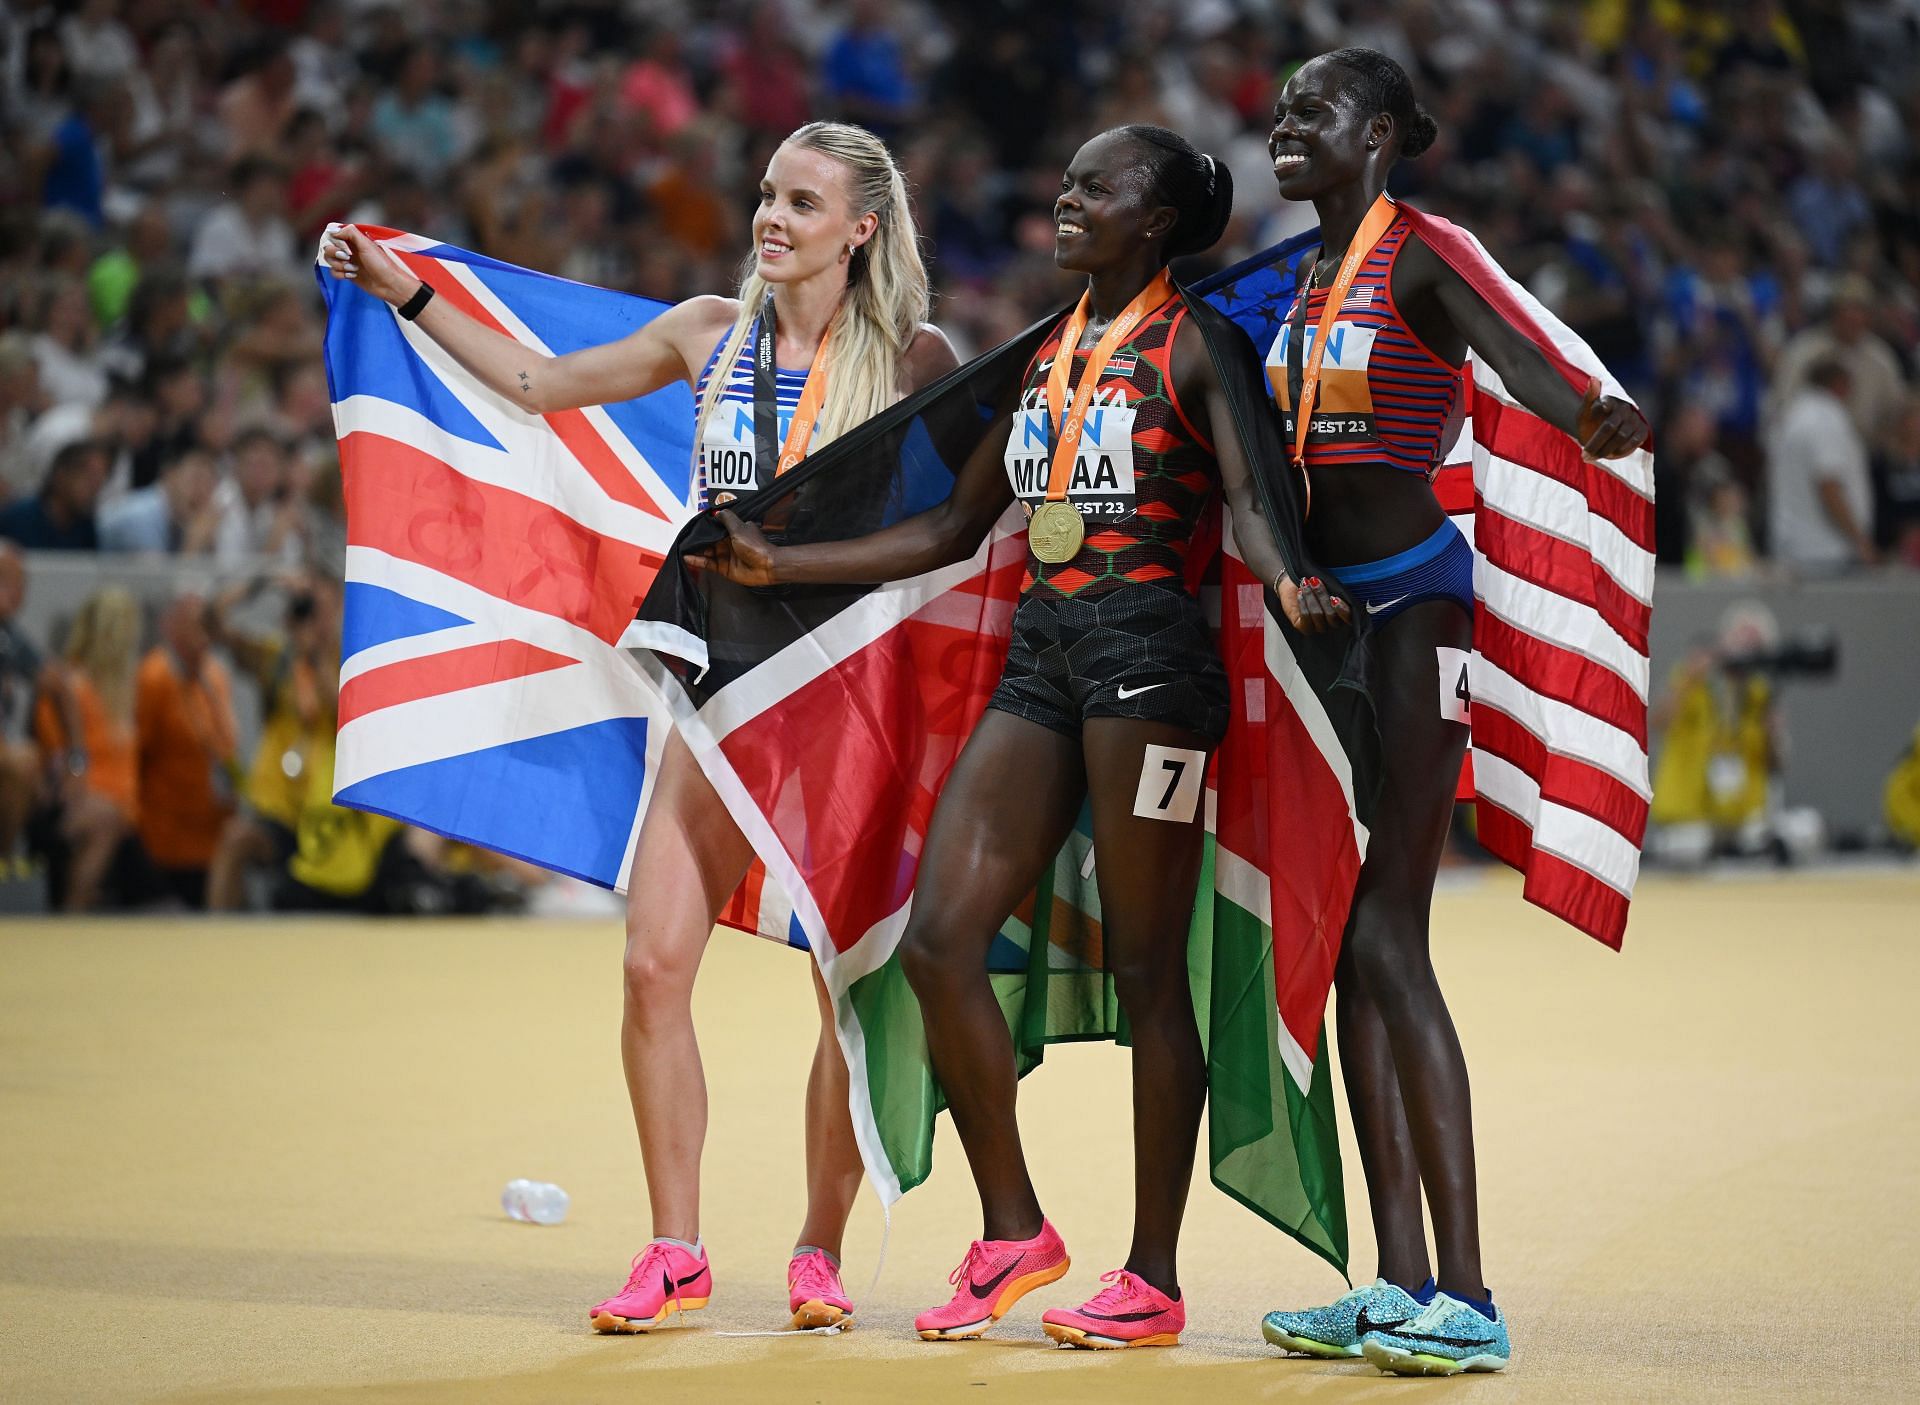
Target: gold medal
x,y
1055,531
1055,528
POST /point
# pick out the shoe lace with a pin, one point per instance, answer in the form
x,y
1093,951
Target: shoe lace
x,y
1125,1288
976,1252
1433,1314
647,1264
814,1274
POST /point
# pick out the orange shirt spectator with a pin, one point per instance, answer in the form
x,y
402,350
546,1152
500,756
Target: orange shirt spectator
x,y
105,740
184,708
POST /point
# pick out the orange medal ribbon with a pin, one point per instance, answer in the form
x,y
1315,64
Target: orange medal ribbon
x,y
1148,300
1372,228
812,396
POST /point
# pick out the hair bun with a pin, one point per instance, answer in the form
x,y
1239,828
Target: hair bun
x,y
1420,134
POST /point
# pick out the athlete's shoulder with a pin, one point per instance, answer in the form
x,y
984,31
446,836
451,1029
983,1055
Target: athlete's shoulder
x,y
707,313
1417,266
929,356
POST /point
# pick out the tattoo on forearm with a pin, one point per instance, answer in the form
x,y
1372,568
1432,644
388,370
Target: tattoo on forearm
x,y
526,386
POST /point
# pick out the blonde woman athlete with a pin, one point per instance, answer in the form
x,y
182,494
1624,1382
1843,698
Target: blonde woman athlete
x,y
835,259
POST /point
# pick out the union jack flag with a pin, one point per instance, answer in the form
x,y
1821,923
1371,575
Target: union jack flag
x,y
495,558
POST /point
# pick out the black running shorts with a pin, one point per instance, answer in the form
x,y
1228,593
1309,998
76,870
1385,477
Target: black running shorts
x,y
1139,651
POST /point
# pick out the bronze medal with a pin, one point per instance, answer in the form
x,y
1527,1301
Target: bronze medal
x,y
1055,532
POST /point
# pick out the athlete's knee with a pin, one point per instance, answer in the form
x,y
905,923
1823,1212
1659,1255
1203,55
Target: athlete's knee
x,y
1152,983
657,981
1387,965
929,957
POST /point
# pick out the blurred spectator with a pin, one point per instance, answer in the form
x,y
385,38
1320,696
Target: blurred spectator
x,y
21,671
658,85
160,324
247,235
177,392
414,122
69,167
84,726
98,45
297,672
22,400
1828,205
116,274
1820,493
864,70
257,106
1901,800
71,372
259,515
61,516
766,74
175,514
1873,371
1720,743
188,750
1896,482
1720,541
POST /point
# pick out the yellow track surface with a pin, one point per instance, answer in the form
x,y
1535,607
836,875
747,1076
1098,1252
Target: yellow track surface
x,y
261,1160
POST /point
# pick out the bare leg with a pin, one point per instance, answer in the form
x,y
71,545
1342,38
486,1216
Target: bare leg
x,y
93,827
1147,869
833,1156
1387,974
689,859
244,845
19,785
1006,808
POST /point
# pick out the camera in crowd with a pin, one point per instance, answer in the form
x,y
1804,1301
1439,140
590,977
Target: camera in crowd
x,y
1809,654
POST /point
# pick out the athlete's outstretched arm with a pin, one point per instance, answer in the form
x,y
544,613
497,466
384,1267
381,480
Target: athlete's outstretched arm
x,y
1197,382
940,536
1605,426
637,364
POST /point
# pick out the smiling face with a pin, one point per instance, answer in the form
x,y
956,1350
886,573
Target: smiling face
x,y
805,219
1320,133
1106,208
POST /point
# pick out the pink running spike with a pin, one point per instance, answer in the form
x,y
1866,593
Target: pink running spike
x,y
995,1274
1131,1312
665,1279
814,1292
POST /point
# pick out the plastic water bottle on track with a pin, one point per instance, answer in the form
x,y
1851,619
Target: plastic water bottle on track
x,y
534,1202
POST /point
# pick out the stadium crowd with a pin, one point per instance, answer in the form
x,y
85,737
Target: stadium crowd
x,y
1722,198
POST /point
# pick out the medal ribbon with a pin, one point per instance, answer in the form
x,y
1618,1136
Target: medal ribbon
x,y
1067,448
1372,228
766,400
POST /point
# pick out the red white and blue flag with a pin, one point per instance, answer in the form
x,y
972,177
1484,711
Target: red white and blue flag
x,y
495,558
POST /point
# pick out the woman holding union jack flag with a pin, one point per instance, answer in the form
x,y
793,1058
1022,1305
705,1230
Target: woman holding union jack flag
x,y
1368,375
827,331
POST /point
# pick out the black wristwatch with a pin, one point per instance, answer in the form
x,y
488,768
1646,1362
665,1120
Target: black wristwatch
x,y
416,304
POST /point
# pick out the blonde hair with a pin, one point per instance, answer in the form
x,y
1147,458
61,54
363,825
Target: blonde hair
x,y
103,645
886,298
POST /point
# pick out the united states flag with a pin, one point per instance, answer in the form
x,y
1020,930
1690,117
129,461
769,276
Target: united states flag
x,y
1563,604
1563,586
495,558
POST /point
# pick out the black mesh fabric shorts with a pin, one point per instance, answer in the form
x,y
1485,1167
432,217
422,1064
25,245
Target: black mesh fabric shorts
x,y
1138,651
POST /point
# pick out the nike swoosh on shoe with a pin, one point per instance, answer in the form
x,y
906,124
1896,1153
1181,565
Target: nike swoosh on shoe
x,y
984,1290
1363,1324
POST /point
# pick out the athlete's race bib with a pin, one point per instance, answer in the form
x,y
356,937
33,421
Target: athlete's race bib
x,y
1343,406
726,450
1102,483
